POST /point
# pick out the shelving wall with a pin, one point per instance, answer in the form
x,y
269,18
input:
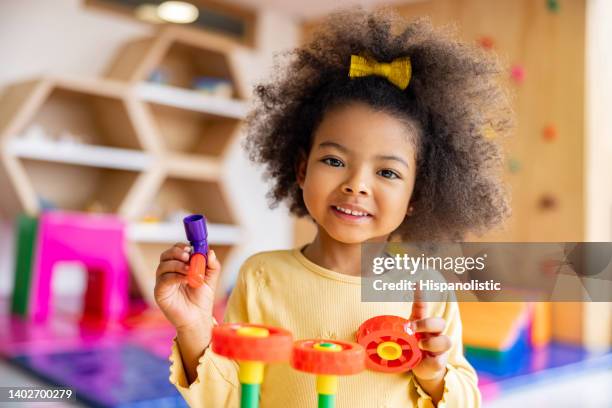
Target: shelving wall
x,y
150,152
59,44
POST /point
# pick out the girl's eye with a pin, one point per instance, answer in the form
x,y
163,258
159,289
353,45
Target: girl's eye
x,y
390,174
331,161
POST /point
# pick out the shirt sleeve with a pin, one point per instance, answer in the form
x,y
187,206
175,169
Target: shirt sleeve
x,y
217,383
460,382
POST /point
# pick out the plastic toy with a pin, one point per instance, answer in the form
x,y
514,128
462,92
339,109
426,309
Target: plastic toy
x,y
252,345
99,247
389,343
327,359
504,323
24,255
197,234
218,87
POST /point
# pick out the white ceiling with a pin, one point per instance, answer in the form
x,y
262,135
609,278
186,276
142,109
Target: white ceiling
x,y
307,9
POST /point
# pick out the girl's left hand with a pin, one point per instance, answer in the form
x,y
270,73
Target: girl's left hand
x,y
434,345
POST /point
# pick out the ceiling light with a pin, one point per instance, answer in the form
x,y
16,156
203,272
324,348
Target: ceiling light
x,y
179,12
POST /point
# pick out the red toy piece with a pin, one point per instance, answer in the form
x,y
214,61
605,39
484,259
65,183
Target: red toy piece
x,y
252,345
243,342
389,343
197,234
197,270
327,359
332,357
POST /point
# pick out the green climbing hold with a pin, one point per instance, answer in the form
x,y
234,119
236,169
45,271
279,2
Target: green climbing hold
x,y
553,5
514,165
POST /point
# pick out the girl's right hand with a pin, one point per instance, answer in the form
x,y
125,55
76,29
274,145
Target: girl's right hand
x,y
187,308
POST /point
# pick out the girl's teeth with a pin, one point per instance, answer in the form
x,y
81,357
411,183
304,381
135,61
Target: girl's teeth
x,y
355,213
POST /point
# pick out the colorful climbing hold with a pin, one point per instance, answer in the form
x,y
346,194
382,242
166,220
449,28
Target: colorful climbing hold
x,y
486,42
517,73
548,202
553,5
514,165
549,133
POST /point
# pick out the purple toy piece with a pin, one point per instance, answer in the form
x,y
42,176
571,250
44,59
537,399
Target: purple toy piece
x,y
197,234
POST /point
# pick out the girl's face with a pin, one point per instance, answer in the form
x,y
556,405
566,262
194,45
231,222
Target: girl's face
x,y
359,176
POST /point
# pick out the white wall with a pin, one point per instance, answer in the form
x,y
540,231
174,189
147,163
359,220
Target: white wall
x,y
598,150
599,121
59,36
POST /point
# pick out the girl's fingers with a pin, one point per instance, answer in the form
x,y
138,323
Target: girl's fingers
x,y
213,268
419,307
434,363
213,262
173,267
167,283
435,344
429,325
179,252
173,277
182,245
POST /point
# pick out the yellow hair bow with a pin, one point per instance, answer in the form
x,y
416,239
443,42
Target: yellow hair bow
x,y
397,72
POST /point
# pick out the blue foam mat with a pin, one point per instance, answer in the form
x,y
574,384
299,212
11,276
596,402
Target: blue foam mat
x,y
124,376
540,365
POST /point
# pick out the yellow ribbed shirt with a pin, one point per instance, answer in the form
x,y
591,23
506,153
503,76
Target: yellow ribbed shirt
x,y
285,289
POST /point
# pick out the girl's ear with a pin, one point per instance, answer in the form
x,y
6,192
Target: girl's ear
x,y
300,168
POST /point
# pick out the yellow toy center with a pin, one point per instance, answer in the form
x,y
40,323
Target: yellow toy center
x,y
251,372
327,347
248,331
327,384
389,350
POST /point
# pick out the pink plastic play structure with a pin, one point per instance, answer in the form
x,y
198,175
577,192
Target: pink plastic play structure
x,y
95,240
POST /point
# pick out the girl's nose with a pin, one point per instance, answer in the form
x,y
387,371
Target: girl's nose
x,y
354,186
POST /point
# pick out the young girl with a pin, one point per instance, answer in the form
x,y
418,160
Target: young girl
x,y
391,151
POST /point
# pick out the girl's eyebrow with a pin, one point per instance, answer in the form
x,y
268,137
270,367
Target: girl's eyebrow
x,y
334,144
378,157
395,158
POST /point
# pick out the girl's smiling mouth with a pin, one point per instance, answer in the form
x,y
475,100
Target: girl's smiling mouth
x,y
350,212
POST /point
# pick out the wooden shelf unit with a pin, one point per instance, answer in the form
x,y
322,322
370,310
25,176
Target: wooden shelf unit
x,y
180,53
138,144
189,131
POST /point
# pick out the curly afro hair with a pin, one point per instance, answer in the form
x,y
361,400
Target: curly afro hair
x,y
454,98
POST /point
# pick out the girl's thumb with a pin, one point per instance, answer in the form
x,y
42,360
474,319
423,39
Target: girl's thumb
x,y
213,268
213,262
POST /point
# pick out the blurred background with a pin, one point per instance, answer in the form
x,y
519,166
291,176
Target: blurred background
x,y
119,117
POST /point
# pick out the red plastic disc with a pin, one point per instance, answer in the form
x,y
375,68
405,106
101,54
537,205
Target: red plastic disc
x,y
228,342
383,329
349,360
